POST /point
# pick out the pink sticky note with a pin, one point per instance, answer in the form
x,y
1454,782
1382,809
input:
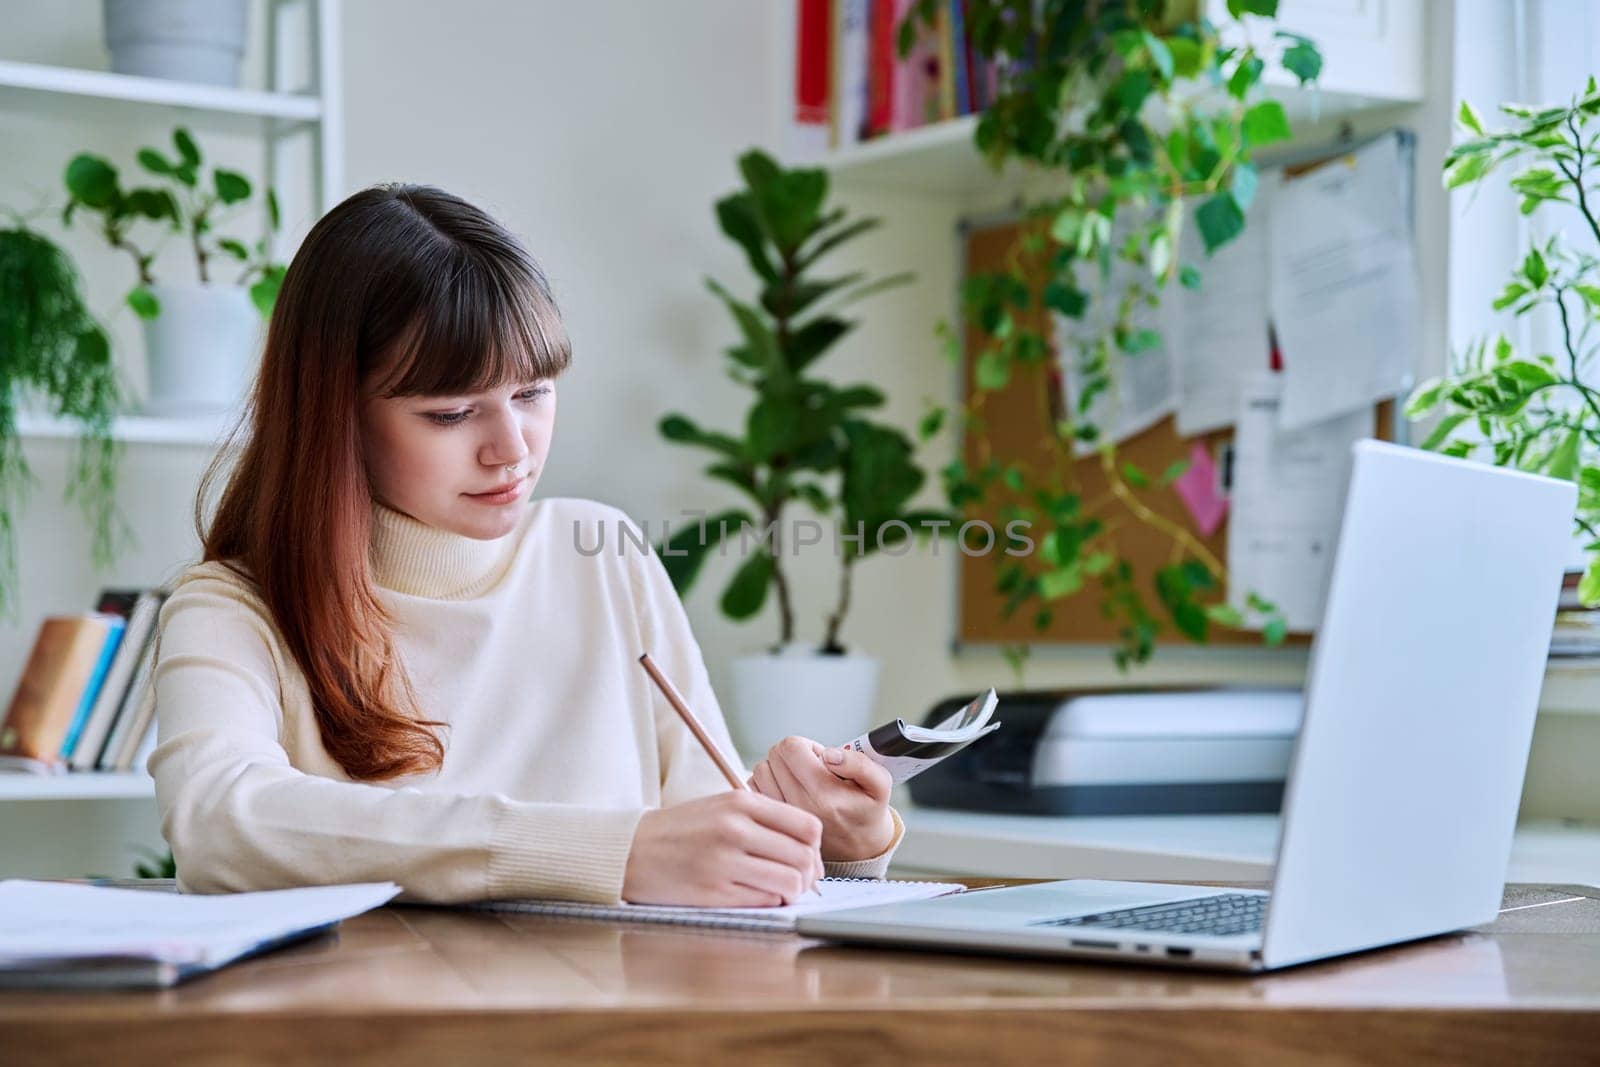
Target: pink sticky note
x,y
1197,488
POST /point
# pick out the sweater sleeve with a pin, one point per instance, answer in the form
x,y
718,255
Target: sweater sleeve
x,y
239,817
686,771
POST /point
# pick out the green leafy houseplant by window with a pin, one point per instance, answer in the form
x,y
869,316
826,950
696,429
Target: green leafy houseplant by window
x,y
1536,411
53,354
805,441
1132,109
185,204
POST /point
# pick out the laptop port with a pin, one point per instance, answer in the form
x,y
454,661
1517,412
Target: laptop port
x,y
1180,953
1080,943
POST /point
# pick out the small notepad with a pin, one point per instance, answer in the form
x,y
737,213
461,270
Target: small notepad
x,y
831,894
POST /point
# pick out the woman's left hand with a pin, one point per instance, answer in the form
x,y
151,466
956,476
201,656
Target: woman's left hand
x,y
840,786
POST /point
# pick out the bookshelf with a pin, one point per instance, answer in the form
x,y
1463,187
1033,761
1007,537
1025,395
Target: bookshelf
x,y
86,785
77,823
1372,60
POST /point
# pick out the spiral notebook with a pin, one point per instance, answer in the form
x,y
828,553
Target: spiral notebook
x,y
831,894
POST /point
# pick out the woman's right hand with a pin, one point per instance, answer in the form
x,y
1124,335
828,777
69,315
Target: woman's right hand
x,y
733,849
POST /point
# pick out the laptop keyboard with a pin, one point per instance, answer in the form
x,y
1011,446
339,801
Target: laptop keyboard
x,y
1221,915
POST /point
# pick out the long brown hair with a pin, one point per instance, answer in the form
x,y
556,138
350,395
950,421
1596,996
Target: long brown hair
x,y
401,290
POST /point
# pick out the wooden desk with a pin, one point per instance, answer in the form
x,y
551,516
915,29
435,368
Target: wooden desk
x,y
436,987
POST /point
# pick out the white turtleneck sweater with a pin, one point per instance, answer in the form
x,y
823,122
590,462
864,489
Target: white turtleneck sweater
x,y
525,646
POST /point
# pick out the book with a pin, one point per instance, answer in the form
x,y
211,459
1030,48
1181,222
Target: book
x,y
831,894
906,751
116,626
55,934
852,59
134,713
51,687
140,612
811,120
961,58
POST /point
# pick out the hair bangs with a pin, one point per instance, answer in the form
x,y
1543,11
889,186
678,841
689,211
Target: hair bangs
x,y
488,325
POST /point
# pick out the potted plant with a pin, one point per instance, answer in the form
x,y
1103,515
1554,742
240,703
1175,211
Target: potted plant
x,y
185,40
805,442
53,356
1125,113
1536,411
200,340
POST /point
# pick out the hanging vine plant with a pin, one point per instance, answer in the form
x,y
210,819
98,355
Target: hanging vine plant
x,y
1142,110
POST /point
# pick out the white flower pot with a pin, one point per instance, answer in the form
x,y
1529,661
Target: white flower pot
x,y
830,699
200,351
185,40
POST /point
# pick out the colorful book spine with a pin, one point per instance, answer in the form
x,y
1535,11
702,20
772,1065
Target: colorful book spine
x,y
960,59
51,686
141,608
855,83
881,69
813,71
115,627
947,82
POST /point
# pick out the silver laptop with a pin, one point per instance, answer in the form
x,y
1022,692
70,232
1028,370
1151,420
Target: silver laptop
x,y
1403,791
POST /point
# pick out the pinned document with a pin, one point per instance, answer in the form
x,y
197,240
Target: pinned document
x,y
1222,336
1345,299
1287,501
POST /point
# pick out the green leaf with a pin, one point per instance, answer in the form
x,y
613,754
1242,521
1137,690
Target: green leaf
x,y
737,216
1275,631
1243,186
1053,585
1446,426
1589,584
1563,462
1219,220
92,180
1186,56
264,293
1068,300
1188,277
274,216
143,302
1265,8
1535,268
1302,59
154,161
993,370
1530,375
1134,476
1266,123
234,248
1425,397
1468,119
1245,75
1160,55
1466,169
748,589
1590,294
232,186
931,423
1225,615
188,151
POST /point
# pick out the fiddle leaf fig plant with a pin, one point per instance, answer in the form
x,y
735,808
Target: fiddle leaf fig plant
x,y
1135,113
805,441
1534,410
185,203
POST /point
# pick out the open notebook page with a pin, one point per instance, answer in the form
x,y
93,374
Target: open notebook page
x,y
831,894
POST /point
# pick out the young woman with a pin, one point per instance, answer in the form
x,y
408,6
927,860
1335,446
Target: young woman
x,y
393,664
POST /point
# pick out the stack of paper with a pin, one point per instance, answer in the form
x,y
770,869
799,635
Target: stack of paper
x,y
59,934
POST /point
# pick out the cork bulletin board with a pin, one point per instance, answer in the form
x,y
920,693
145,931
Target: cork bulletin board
x,y
1015,426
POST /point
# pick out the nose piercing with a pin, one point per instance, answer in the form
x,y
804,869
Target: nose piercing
x,y
511,468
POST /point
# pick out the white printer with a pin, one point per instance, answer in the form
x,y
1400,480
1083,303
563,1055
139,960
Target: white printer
x,y
1147,751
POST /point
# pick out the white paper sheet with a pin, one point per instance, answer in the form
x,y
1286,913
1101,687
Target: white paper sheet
x,y
53,920
1221,333
1287,502
1344,292
1146,389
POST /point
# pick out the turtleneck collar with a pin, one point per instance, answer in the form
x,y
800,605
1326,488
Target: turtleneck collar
x,y
416,559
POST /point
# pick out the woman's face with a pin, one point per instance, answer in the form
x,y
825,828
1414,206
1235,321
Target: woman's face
x,y
440,459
